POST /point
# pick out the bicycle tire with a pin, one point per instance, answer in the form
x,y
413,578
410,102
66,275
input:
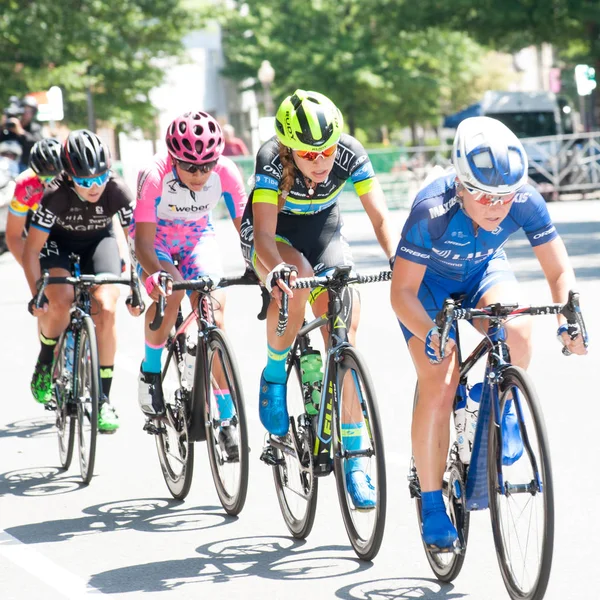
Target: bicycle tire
x,y
446,566
299,525
367,546
88,379
65,423
173,432
537,439
225,469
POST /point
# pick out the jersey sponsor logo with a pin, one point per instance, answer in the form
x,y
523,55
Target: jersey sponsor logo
x,y
477,256
188,209
141,180
522,197
497,230
438,211
44,218
453,243
365,171
539,236
265,181
413,252
344,156
99,210
443,253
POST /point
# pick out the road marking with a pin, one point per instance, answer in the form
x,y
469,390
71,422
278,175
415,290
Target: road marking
x,y
43,569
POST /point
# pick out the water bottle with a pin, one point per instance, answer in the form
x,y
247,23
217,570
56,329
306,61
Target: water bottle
x,y
472,411
311,368
190,363
69,350
459,423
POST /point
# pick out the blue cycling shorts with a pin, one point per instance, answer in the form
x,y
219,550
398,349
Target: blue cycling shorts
x,y
434,289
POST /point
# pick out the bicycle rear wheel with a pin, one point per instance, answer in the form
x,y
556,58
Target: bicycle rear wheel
x,y
295,482
87,397
65,423
521,495
175,451
227,437
447,565
364,527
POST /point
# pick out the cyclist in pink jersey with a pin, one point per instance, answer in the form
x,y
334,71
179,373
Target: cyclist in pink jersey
x,y
175,197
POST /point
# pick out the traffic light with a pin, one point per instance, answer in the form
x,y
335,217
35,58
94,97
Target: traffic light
x,y
585,79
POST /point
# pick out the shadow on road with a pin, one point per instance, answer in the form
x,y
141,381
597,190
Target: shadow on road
x,y
31,427
398,589
144,514
279,558
39,481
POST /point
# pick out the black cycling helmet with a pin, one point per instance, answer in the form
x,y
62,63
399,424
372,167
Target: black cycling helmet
x,y
84,155
44,158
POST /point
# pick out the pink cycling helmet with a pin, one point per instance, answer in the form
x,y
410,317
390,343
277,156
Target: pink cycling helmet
x,y
195,137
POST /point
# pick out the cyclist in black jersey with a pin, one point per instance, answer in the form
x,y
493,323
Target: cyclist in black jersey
x,y
76,216
292,227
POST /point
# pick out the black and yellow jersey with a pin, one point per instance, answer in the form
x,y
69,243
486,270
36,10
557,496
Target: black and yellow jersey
x,y
351,162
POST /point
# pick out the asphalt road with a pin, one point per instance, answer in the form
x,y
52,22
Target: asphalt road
x,y
123,535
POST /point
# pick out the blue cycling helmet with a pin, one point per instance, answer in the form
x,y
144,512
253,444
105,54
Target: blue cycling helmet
x,y
488,157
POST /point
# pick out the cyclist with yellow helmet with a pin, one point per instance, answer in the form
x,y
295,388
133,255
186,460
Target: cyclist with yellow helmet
x,y
292,227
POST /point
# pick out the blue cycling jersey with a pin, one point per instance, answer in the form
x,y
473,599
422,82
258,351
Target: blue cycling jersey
x,y
440,235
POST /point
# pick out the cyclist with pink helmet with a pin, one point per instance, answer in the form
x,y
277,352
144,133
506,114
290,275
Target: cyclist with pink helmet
x,y
175,197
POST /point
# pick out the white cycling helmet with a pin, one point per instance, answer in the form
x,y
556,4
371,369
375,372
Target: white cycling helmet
x,y
11,147
488,157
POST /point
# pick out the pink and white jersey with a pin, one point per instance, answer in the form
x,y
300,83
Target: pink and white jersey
x,y
178,211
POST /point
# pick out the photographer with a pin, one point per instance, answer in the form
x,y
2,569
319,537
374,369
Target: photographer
x,y
19,124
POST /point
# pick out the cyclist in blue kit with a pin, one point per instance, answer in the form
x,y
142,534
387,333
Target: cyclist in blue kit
x,y
452,243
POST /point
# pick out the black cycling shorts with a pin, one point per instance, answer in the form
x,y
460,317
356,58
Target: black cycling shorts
x,y
100,256
318,236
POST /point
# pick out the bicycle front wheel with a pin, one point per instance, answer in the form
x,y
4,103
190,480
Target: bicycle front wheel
x,y
226,429
65,423
357,404
175,451
295,481
520,489
87,397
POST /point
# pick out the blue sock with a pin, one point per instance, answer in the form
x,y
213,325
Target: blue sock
x,y
225,404
151,363
437,527
275,370
354,438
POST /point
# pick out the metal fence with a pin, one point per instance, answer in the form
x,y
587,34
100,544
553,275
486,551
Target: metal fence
x,y
562,167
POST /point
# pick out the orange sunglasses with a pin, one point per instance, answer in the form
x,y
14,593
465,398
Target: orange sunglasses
x,y
312,156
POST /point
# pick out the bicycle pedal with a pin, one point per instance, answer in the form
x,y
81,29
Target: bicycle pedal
x,y
456,548
50,406
153,429
268,457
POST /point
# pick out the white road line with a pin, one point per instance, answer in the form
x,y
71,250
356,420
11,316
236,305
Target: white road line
x,y
43,569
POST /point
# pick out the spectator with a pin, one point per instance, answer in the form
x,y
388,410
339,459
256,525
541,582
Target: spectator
x,y
19,125
234,146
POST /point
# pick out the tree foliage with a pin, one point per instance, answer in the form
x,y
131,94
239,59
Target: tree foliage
x,y
375,74
110,47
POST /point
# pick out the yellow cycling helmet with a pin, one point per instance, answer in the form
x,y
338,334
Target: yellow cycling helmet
x,y
308,121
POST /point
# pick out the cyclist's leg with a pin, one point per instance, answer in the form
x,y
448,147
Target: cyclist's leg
x,y
204,261
499,284
104,259
430,431
330,249
150,393
53,322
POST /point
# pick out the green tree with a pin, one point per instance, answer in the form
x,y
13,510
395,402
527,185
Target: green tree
x,y
375,74
114,49
571,26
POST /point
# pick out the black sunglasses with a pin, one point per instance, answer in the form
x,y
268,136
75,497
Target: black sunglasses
x,y
192,168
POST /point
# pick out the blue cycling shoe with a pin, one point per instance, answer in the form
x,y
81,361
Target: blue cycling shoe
x,y
361,490
438,532
512,443
272,407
